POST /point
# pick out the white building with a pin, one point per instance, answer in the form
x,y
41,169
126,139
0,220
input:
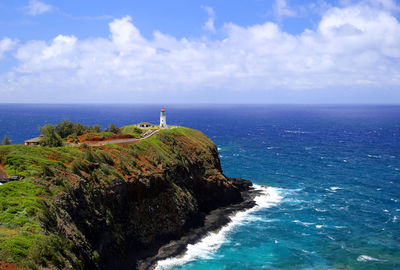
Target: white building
x,y
163,119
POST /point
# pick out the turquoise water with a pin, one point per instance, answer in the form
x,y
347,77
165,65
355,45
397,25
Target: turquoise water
x,y
333,173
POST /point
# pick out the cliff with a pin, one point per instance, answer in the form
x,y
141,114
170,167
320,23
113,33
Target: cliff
x,y
111,206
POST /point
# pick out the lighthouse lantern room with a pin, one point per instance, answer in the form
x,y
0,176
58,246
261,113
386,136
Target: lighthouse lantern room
x,y
163,119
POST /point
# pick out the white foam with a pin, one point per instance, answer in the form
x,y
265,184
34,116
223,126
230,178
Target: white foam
x,y
365,258
204,249
306,224
296,131
333,189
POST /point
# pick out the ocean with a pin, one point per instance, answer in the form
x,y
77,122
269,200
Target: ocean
x,y
332,177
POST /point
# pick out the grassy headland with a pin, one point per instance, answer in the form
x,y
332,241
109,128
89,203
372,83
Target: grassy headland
x,y
30,231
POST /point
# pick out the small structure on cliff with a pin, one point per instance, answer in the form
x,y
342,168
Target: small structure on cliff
x,y
34,141
163,119
144,125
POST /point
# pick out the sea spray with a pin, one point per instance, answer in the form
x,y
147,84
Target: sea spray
x,y
269,197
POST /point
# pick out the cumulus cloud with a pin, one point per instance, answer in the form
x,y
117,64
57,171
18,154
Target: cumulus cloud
x,y
36,7
209,25
6,44
356,46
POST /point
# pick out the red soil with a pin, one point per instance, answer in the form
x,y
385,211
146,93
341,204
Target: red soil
x,y
3,173
93,137
8,266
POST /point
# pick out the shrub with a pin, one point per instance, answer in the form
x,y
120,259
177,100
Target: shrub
x,y
124,169
78,165
47,171
106,158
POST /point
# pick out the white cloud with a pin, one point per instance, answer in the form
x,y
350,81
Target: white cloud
x,y
353,47
6,44
36,7
209,24
282,10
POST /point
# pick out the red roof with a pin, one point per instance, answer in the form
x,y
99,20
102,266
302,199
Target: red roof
x,y
162,110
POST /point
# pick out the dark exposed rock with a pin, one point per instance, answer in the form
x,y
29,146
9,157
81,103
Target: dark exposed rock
x,y
132,224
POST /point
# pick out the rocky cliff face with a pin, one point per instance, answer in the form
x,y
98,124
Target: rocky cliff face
x,y
130,220
119,203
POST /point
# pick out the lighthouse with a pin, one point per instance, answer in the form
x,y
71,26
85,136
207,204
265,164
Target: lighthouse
x,y
163,119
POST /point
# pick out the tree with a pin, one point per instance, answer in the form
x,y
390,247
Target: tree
x,y
97,128
65,128
50,137
112,128
79,129
6,140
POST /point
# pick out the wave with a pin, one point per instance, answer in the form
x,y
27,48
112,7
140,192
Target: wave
x,y
305,224
296,131
333,189
269,196
365,258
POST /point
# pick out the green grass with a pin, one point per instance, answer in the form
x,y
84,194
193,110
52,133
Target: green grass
x,y
28,161
20,209
20,205
132,130
24,205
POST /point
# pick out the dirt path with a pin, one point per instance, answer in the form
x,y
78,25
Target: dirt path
x,y
3,173
122,140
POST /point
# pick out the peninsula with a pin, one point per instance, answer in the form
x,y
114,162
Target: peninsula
x,y
124,205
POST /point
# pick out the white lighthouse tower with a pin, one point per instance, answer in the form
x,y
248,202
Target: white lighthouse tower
x,y
163,119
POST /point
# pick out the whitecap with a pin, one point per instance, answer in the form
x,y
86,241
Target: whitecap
x,y
296,131
305,224
204,249
320,226
320,210
365,258
333,189
219,148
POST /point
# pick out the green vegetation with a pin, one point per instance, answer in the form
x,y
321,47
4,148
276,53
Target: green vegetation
x,y
50,137
20,211
68,129
28,234
6,141
132,130
113,128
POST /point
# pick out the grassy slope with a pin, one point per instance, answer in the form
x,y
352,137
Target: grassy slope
x,y
132,130
50,171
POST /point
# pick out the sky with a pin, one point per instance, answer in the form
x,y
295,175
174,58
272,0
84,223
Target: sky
x,y
237,51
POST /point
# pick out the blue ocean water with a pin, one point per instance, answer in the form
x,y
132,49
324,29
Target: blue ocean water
x,y
333,174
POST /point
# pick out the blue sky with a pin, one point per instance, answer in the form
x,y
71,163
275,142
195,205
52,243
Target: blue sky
x,y
253,51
